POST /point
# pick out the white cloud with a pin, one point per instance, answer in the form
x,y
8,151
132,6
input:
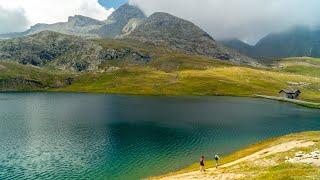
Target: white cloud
x,y
12,20
244,19
52,11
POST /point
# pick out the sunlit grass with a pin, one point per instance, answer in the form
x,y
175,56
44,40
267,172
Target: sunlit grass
x,y
282,170
48,77
221,80
177,75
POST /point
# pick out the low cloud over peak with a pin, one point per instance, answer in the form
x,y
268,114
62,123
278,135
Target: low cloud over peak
x,y
247,20
12,20
25,13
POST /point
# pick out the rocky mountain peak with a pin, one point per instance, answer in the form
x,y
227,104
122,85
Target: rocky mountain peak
x,y
80,20
39,25
126,12
118,20
182,35
175,26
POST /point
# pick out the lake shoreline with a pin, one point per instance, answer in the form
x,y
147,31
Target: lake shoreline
x,y
305,104
281,153
294,101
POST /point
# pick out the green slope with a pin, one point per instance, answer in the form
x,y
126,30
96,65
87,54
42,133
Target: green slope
x,y
17,77
194,75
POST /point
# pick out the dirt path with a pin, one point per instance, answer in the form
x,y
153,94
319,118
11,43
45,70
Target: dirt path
x,y
284,147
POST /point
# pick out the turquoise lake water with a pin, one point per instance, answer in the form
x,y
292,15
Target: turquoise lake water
x,y
91,136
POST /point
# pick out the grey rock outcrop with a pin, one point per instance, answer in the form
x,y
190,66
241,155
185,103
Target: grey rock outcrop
x,y
118,20
64,52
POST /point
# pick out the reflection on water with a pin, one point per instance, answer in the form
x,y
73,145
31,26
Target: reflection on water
x,y
82,136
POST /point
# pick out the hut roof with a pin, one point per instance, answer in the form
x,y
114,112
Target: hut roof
x,y
290,91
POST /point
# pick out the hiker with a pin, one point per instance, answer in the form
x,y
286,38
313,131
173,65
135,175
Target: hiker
x,y
202,164
216,157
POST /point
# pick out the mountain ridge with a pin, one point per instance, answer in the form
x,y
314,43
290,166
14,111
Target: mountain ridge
x,y
80,25
298,41
178,34
160,29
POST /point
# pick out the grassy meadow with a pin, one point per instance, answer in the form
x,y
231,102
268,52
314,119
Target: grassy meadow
x,y
175,74
200,76
45,77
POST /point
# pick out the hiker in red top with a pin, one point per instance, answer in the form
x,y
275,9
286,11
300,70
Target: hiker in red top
x,y
202,164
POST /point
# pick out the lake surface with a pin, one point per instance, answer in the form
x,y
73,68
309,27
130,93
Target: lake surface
x,y
89,136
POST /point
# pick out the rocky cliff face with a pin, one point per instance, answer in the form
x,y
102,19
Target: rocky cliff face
x,y
64,52
118,20
178,34
131,26
124,13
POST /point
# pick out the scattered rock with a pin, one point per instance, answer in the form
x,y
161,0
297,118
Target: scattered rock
x,y
312,158
2,67
299,154
299,84
66,52
112,69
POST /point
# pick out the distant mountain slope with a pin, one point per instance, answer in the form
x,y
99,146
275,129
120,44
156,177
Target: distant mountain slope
x,y
296,42
239,45
84,26
299,41
178,34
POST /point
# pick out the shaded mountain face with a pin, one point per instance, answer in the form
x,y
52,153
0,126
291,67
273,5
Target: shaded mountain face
x,y
84,26
239,45
178,34
298,41
65,52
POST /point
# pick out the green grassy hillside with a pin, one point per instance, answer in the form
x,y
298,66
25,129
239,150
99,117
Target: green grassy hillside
x,y
301,65
17,77
194,75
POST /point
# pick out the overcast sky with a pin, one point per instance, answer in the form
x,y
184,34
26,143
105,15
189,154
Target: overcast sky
x,y
247,20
